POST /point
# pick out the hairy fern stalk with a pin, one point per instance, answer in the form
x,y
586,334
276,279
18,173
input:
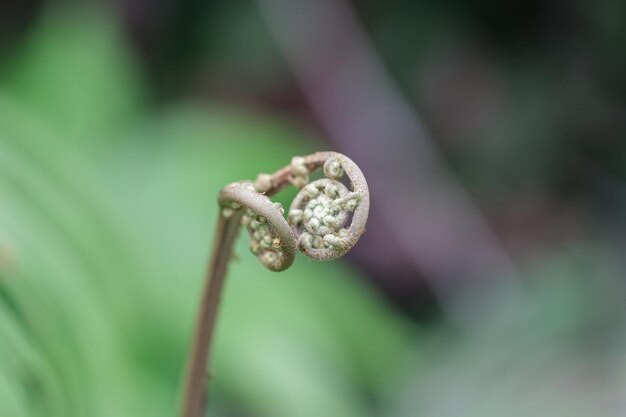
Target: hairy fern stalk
x,y
325,220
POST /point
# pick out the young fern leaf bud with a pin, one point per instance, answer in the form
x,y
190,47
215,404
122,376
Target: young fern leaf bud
x,y
325,220
265,224
320,211
327,205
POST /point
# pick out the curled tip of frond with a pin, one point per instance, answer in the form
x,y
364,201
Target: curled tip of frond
x,y
320,212
325,220
271,239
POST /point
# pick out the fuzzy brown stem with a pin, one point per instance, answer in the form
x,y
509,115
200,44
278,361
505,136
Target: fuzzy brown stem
x,y
196,381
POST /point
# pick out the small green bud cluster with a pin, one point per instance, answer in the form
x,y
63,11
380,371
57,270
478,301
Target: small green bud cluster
x,y
263,183
229,209
333,168
323,210
263,243
299,172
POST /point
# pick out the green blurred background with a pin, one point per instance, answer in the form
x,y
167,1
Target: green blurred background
x,y
490,281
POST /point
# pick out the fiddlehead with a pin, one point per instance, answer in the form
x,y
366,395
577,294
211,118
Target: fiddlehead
x,y
326,219
271,239
320,212
318,216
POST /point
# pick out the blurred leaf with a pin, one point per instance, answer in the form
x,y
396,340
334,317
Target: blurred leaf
x,y
559,353
75,72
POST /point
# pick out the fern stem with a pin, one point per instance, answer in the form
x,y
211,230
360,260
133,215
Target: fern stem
x,y
196,381
275,241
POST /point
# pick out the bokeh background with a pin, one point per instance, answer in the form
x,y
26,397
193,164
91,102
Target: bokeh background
x,y
490,281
